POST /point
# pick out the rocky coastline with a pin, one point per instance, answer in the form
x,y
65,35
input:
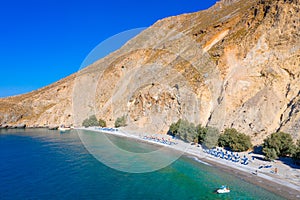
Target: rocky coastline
x,y
24,126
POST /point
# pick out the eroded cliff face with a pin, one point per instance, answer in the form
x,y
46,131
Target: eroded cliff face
x,y
233,65
51,105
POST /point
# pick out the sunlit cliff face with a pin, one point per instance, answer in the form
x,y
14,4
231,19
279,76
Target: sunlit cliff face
x,y
233,65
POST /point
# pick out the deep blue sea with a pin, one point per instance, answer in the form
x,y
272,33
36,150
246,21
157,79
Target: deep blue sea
x,y
44,164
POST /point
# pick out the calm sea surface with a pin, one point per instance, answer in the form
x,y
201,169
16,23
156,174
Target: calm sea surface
x,y
43,164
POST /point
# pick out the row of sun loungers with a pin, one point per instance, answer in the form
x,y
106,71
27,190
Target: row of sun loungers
x,y
265,166
159,140
150,138
107,129
228,155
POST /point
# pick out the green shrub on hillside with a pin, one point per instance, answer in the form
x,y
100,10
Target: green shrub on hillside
x,y
270,153
91,121
211,137
234,140
296,154
183,130
121,121
102,123
277,145
201,133
189,132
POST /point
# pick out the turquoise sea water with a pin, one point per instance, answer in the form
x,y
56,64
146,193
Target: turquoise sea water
x,y
43,164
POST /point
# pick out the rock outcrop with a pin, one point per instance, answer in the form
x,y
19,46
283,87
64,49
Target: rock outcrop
x,y
233,65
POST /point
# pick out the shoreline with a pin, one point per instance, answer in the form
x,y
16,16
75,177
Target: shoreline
x,y
281,188
277,184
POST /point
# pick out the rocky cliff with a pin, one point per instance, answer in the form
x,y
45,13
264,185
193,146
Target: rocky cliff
x,y
233,65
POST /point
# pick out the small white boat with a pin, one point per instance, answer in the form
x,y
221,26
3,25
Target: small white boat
x,y
63,128
223,189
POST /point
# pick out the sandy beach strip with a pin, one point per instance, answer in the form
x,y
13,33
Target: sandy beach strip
x,y
280,183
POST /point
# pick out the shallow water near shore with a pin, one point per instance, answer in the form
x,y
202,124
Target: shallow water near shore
x,y
43,164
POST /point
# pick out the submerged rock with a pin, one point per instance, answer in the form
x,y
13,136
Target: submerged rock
x,y
3,126
20,126
53,127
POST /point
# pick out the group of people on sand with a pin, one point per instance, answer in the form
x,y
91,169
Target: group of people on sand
x,y
159,140
227,155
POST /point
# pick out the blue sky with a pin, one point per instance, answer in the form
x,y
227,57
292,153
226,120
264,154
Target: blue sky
x,y
44,41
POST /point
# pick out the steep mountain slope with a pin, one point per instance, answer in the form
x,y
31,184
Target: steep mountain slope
x,y
233,65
